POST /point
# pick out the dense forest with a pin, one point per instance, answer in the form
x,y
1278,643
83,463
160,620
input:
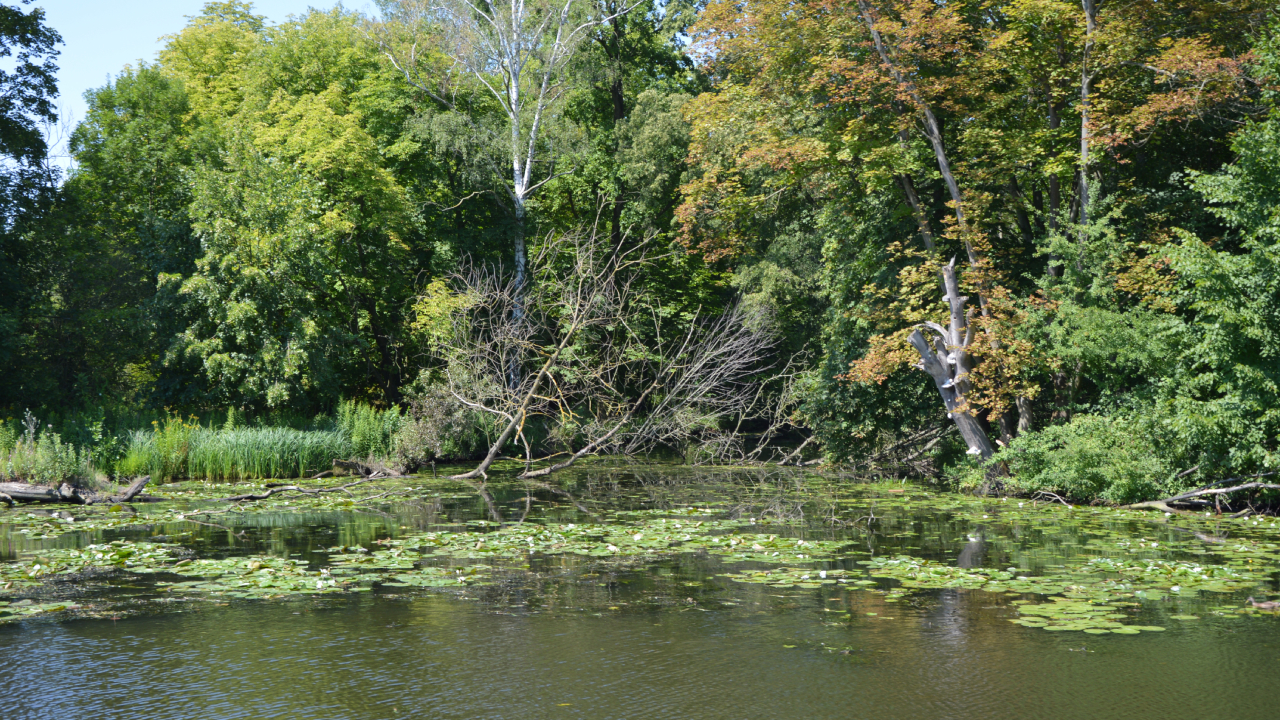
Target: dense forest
x,y
1034,243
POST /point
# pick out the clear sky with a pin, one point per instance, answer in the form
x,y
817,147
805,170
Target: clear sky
x,y
102,36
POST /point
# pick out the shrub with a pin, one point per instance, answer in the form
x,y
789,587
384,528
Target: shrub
x,y
1092,456
439,427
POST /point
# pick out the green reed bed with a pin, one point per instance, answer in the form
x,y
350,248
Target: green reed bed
x,y
232,454
263,453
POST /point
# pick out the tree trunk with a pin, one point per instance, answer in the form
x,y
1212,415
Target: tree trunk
x,y
917,210
1025,424
1020,212
521,284
1055,189
948,362
1091,26
619,99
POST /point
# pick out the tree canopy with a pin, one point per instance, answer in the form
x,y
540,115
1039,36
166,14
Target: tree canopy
x,y
1050,225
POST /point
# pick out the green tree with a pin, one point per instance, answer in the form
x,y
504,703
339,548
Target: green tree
x,y
300,292
27,90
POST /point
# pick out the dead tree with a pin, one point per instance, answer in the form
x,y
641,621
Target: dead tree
x,y
582,284
948,361
602,370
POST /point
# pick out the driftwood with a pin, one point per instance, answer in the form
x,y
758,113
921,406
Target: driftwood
x,y
305,491
13,492
353,467
1164,504
22,492
132,491
796,454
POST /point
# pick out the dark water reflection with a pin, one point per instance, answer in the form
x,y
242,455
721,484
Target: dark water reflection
x,y
435,657
666,639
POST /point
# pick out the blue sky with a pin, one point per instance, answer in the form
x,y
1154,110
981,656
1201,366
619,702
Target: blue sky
x,y
102,36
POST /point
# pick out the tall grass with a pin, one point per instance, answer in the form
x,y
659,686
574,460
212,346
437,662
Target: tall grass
x,y
40,456
263,453
181,448
229,446
370,431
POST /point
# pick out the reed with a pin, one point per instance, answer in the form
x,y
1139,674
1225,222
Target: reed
x,y
270,452
232,454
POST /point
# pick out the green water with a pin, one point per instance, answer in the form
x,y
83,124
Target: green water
x,y
648,632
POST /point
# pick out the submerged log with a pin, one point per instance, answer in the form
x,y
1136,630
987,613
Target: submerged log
x,y
1184,497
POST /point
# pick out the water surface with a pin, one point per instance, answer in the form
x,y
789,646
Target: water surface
x,y
659,636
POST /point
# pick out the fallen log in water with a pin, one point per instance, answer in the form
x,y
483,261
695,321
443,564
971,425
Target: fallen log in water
x,y
274,489
15,492
22,492
1183,497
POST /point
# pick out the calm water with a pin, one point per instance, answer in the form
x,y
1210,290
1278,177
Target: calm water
x,y
661,639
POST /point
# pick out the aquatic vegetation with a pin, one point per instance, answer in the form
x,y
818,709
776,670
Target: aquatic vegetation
x,y
260,577
1088,569
140,557
1069,614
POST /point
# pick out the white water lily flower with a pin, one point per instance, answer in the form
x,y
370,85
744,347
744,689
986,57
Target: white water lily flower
x,y
637,536
1176,588
613,548
822,574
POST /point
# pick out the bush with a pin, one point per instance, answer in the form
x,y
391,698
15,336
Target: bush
x,y
1091,457
439,427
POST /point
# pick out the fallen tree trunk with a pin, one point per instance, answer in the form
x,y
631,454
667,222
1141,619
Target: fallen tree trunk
x,y
22,492
132,491
13,492
797,453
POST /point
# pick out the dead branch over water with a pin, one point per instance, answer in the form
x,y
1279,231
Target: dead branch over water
x,y
604,374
